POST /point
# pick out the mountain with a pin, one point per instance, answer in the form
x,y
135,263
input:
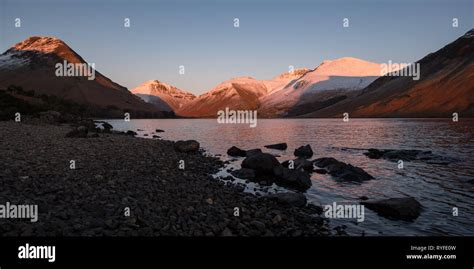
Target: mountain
x,y
241,93
279,82
288,94
165,97
329,83
445,86
32,65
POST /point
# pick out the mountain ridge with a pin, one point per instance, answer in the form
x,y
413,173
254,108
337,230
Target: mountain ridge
x,y
31,64
447,70
333,87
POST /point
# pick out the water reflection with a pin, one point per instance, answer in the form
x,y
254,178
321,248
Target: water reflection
x,y
439,188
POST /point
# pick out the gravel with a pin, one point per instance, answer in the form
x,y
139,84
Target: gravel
x,y
114,172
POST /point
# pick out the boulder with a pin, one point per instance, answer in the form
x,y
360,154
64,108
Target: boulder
x,y
262,163
268,169
342,170
251,152
159,131
396,208
299,164
89,124
186,146
405,155
79,132
244,173
236,152
304,152
323,162
129,132
408,155
295,179
350,173
321,171
107,126
288,199
279,146
374,153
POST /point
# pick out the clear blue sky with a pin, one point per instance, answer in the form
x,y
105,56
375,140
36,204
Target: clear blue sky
x,y
200,34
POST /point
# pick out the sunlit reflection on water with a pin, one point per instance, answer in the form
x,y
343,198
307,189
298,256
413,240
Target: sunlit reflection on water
x,y
438,188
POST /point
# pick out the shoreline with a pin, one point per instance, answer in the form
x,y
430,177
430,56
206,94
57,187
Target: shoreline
x,y
114,172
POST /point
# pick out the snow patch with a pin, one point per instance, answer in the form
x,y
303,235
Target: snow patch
x,y
11,61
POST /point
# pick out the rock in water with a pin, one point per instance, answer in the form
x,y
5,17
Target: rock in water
x,y
186,146
351,173
262,163
267,168
290,199
295,179
304,152
396,208
323,162
279,146
374,153
236,152
321,171
131,133
244,173
251,152
342,170
107,126
299,164
409,155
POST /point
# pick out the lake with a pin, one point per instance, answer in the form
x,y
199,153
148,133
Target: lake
x,y
438,188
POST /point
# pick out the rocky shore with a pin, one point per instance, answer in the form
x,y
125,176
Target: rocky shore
x,y
85,182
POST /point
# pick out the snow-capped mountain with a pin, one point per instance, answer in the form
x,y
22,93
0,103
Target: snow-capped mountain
x,y
241,93
31,64
164,96
445,86
330,82
238,93
335,86
290,75
279,82
290,93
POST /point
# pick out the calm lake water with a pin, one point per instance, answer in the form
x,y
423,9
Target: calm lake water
x,y
438,188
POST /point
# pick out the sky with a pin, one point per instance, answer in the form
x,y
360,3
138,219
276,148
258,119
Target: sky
x,y
200,35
